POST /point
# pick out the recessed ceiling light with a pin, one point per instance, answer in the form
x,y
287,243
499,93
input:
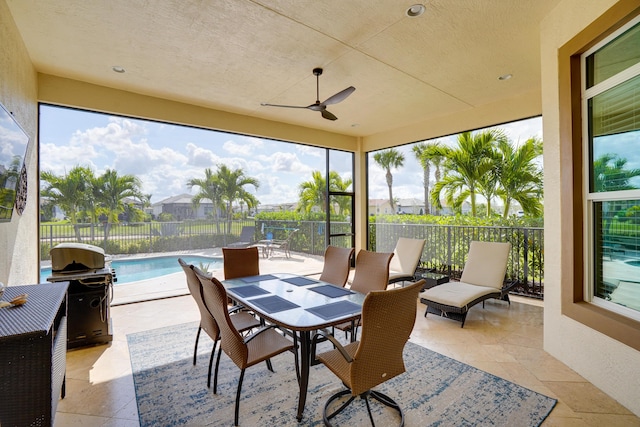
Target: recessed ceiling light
x,y
415,10
505,77
118,69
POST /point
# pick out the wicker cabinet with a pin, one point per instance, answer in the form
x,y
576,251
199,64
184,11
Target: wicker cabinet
x,y
33,349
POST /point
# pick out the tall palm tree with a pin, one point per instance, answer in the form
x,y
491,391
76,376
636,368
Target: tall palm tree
x,y
314,193
387,160
520,178
232,183
464,167
209,188
428,153
68,192
112,189
489,182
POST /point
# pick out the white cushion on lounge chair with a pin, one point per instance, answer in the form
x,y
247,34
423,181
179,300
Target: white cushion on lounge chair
x,y
406,257
456,294
486,264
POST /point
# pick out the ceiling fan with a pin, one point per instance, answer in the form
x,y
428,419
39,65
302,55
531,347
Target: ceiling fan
x,y
321,106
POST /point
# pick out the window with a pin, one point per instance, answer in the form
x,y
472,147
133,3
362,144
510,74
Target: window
x,y
611,113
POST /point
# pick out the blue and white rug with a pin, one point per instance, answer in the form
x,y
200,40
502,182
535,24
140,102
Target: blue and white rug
x,y
435,391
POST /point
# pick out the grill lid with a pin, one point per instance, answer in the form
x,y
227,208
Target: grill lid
x,y
67,257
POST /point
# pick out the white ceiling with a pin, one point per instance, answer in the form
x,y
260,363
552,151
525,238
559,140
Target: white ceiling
x,y
233,55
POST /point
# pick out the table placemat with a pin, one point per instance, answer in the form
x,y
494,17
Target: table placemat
x,y
335,309
331,291
299,281
248,291
252,279
273,304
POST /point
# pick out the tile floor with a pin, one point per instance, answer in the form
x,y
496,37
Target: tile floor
x,y
501,339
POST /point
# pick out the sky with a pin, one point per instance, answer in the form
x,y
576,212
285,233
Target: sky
x,y
165,157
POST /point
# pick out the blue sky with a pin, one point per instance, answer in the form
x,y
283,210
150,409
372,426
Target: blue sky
x,y
166,156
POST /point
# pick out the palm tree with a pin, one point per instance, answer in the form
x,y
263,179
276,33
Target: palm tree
x,y
489,182
210,188
314,193
464,166
387,160
68,192
428,154
610,174
111,189
520,178
232,183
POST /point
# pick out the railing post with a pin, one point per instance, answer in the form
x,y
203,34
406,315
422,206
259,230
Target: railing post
x,y
449,254
525,267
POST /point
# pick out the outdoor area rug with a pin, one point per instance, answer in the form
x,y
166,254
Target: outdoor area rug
x,y
435,391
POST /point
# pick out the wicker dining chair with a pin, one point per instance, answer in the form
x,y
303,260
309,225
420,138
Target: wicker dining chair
x,y
243,321
259,346
337,264
372,274
240,262
388,318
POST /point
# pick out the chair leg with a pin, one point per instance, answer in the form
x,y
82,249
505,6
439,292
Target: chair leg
x,y
215,344
238,397
269,365
215,375
195,349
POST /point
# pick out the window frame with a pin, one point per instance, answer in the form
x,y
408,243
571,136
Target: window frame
x,y
592,197
572,204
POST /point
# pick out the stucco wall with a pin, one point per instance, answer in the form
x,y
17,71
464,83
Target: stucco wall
x,y
608,364
18,91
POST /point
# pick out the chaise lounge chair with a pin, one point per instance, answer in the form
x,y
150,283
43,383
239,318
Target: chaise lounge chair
x,y
482,278
246,237
406,257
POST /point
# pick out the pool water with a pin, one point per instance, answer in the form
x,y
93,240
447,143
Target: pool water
x,y
134,270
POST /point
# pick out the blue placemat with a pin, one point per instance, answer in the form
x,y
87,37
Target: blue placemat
x,y
335,309
252,279
299,281
331,291
274,304
248,291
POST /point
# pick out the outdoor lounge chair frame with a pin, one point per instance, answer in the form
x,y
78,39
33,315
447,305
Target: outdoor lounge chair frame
x,y
482,270
460,313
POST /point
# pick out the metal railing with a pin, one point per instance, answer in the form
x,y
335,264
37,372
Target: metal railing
x,y
445,249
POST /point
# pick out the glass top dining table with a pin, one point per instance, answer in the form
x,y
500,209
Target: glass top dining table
x,y
301,305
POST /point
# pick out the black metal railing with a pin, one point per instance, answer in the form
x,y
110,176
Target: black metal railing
x,y
445,249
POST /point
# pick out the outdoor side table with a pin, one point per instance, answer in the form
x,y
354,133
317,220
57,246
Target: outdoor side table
x,y
33,350
433,279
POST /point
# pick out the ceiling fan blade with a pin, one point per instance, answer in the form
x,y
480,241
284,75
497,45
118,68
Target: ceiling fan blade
x,y
340,96
327,115
278,105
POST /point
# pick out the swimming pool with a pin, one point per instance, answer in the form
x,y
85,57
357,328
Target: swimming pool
x,y
134,270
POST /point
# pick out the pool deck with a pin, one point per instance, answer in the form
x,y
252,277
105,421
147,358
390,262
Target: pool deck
x,y
175,284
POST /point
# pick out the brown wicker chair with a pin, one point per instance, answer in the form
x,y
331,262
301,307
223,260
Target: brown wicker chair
x,y
245,352
337,263
242,321
482,278
372,274
387,321
240,262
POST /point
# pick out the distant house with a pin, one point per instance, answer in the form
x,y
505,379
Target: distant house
x,y
278,207
380,207
410,206
181,207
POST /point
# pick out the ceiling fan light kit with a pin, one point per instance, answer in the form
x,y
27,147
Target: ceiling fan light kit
x,y
320,106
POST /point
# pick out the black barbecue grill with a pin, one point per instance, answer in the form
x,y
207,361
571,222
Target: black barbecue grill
x,y
91,279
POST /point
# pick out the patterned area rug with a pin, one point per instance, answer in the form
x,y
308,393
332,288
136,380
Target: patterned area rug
x,y
435,391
